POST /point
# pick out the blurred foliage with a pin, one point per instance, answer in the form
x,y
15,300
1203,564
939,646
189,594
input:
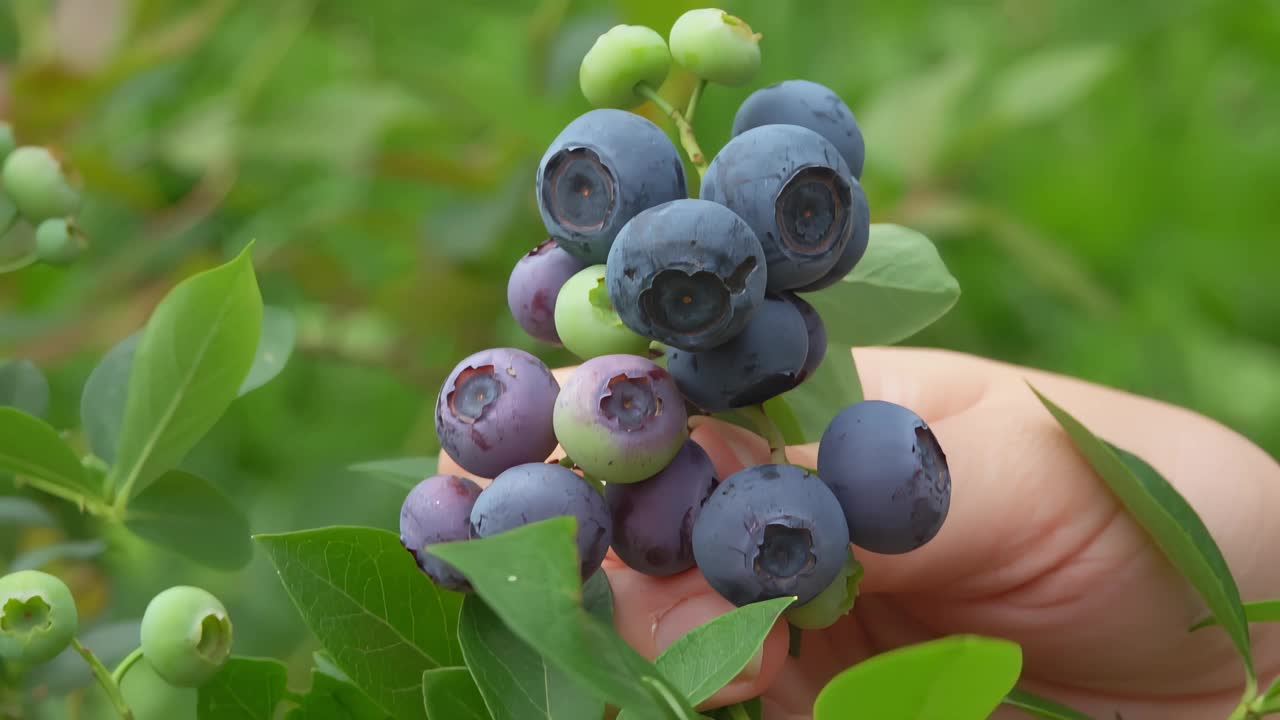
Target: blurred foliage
x,y
1099,176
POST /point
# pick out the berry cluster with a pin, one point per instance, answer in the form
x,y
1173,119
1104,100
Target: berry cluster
x,y
35,187
681,306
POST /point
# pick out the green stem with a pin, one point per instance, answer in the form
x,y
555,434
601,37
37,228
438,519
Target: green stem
x,y
687,139
693,101
104,679
739,712
768,430
117,676
85,503
795,636
19,263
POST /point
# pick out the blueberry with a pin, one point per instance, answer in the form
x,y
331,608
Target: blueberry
x,y
889,473
494,411
817,332
853,251
587,322
600,171
532,288
38,186
59,242
539,491
689,273
653,519
770,531
765,360
621,418
795,191
38,617
438,510
186,635
716,46
618,61
809,105
833,603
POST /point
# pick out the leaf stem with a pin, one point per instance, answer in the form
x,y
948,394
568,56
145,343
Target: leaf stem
x,y
117,675
80,500
104,678
768,430
687,139
694,97
15,265
738,711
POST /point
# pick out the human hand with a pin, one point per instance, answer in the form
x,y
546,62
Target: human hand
x,y
1034,549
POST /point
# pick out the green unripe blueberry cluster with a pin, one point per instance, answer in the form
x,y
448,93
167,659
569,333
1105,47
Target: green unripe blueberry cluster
x,y
36,188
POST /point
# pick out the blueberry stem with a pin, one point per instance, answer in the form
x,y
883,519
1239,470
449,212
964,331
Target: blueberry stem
x,y
694,97
687,138
104,678
19,263
117,675
768,430
739,712
795,636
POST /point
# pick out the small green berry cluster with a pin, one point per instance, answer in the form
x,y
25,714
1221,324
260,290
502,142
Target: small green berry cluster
x,y
185,636
36,189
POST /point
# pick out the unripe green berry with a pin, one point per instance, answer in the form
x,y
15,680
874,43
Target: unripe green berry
x,y
59,242
716,46
586,322
7,141
622,58
832,603
38,617
186,635
34,180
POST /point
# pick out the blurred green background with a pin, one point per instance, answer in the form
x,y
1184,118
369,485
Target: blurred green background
x,y
1101,177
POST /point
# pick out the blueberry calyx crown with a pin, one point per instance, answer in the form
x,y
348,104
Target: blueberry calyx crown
x,y
474,390
813,210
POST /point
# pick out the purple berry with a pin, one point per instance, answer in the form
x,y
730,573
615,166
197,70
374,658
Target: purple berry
x,y
438,510
653,519
621,418
534,284
540,491
494,411
817,331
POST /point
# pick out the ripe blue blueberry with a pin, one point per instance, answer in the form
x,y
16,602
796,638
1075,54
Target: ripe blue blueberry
x,y
817,332
533,285
494,411
603,168
621,418
809,105
884,464
854,250
186,635
795,191
770,531
539,491
653,519
765,360
38,617
438,510
689,273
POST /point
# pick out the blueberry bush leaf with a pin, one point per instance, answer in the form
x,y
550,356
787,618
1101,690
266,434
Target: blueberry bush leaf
x,y
529,578
1171,522
706,658
379,617
961,677
30,448
185,513
780,411
193,355
332,696
1048,82
1041,707
104,395
1261,611
244,689
275,347
832,387
898,288
23,386
451,694
404,472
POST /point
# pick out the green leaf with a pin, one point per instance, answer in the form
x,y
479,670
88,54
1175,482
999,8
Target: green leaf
x,y
404,472
898,288
780,411
1041,707
366,601
1171,522
333,697
1261,611
188,515
275,346
23,386
752,708
188,367
103,398
451,694
29,447
962,677
1048,83
244,689
706,658
833,387
38,558
529,577
18,511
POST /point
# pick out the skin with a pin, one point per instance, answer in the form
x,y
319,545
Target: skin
x,y
1034,549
